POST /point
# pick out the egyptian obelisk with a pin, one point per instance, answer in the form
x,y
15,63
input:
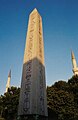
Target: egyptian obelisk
x,y
33,100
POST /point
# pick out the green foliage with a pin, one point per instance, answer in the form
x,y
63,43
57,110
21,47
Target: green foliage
x,y
63,99
9,103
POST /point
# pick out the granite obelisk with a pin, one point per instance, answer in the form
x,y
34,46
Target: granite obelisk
x,y
33,100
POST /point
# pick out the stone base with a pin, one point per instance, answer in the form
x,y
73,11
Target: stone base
x,y
33,117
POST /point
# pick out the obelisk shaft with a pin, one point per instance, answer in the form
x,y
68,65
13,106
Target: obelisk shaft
x,y
33,98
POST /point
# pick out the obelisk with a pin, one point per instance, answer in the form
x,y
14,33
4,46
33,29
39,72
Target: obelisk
x,y
33,100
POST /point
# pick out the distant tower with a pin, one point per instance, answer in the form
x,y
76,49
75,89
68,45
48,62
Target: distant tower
x,y
74,63
33,100
8,81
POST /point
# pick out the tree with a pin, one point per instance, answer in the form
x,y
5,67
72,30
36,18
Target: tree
x,y
73,83
9,103
61,99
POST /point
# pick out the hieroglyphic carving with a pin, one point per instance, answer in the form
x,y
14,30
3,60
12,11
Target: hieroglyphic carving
x,y
41,88
26,105
40,39
40,47
30,47
33,70
26,102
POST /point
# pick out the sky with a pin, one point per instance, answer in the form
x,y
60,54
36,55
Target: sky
x,y
60,32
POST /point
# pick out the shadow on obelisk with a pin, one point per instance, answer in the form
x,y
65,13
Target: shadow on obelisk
x,y
33,98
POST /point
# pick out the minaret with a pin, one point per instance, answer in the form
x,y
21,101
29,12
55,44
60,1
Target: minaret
x,y
74,63
8,81
33,100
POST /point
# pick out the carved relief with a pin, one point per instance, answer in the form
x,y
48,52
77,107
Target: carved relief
x,y
40,40
26,105
29,104
41,88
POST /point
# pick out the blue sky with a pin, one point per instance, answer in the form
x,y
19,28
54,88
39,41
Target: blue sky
x,y
60,28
